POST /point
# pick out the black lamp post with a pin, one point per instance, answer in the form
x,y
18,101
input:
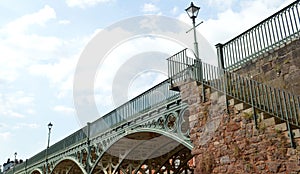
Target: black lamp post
x,y
15,161
193,11
49,132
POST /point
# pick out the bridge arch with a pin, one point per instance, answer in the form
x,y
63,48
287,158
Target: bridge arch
x,y
143,149
36,171
68,165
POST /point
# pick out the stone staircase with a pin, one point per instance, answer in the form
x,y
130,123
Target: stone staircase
x,y
264,119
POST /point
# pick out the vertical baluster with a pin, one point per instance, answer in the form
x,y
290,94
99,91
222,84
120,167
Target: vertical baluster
x,y
267,98
298,17
228,58
259,96
287,119
238,50
251,42
271,99
235,85
283,24
267,35
280,100
277,30
247,43
280,29
293,103
259,34
272,41
291,20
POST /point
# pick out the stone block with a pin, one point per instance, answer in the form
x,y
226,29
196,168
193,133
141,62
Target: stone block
x,y
268,122
296,133
241,106
248,111
233,102
281,127
225,160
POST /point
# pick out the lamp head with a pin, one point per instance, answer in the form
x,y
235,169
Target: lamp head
x,y
50,125
192,11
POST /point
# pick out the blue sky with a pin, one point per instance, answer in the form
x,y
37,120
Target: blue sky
x,y
41,42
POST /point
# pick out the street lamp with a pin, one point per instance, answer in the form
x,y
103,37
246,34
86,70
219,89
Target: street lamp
x,y
193,11
15,161
49,127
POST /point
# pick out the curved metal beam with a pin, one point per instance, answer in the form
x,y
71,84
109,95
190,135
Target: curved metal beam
x,y
70,159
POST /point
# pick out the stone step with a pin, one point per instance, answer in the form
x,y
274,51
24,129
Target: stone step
x,y
268,122
281,127
241,106
296,133
233,102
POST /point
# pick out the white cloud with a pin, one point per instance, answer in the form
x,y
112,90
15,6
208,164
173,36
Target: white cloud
x,y
14,104
63,109
26,125
14,36
64,22
39,18
149,8
221,5
5,135
84,3
174,10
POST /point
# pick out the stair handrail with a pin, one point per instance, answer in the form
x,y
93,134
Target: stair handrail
x,y
273,101
279,28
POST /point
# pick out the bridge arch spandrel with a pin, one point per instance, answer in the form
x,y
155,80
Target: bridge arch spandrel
x,y
137,149
68,165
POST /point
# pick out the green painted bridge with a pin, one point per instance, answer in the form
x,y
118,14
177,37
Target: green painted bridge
x,y
150,133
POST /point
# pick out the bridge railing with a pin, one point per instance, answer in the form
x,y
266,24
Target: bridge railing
x,y
276,102
266,35
145,101
182,67
61,145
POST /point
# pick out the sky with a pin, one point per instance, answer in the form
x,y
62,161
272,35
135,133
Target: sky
x,y
41,43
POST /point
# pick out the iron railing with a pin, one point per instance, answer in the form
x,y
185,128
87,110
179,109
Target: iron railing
x,y
181,67
156,95
276,102
266,35
142,103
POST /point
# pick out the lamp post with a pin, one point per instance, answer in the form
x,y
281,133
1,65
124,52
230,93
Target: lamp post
x,y
15,161
49,127
193,11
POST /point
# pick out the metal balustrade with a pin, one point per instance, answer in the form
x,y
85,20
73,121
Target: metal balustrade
x,y
266,35
142,103
151,98
276,102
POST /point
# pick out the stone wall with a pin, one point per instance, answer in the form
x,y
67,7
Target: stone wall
x,y
230,143
279,68
227,141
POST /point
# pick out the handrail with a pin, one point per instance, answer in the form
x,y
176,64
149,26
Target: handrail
x,y
275,102
143,102
266,35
